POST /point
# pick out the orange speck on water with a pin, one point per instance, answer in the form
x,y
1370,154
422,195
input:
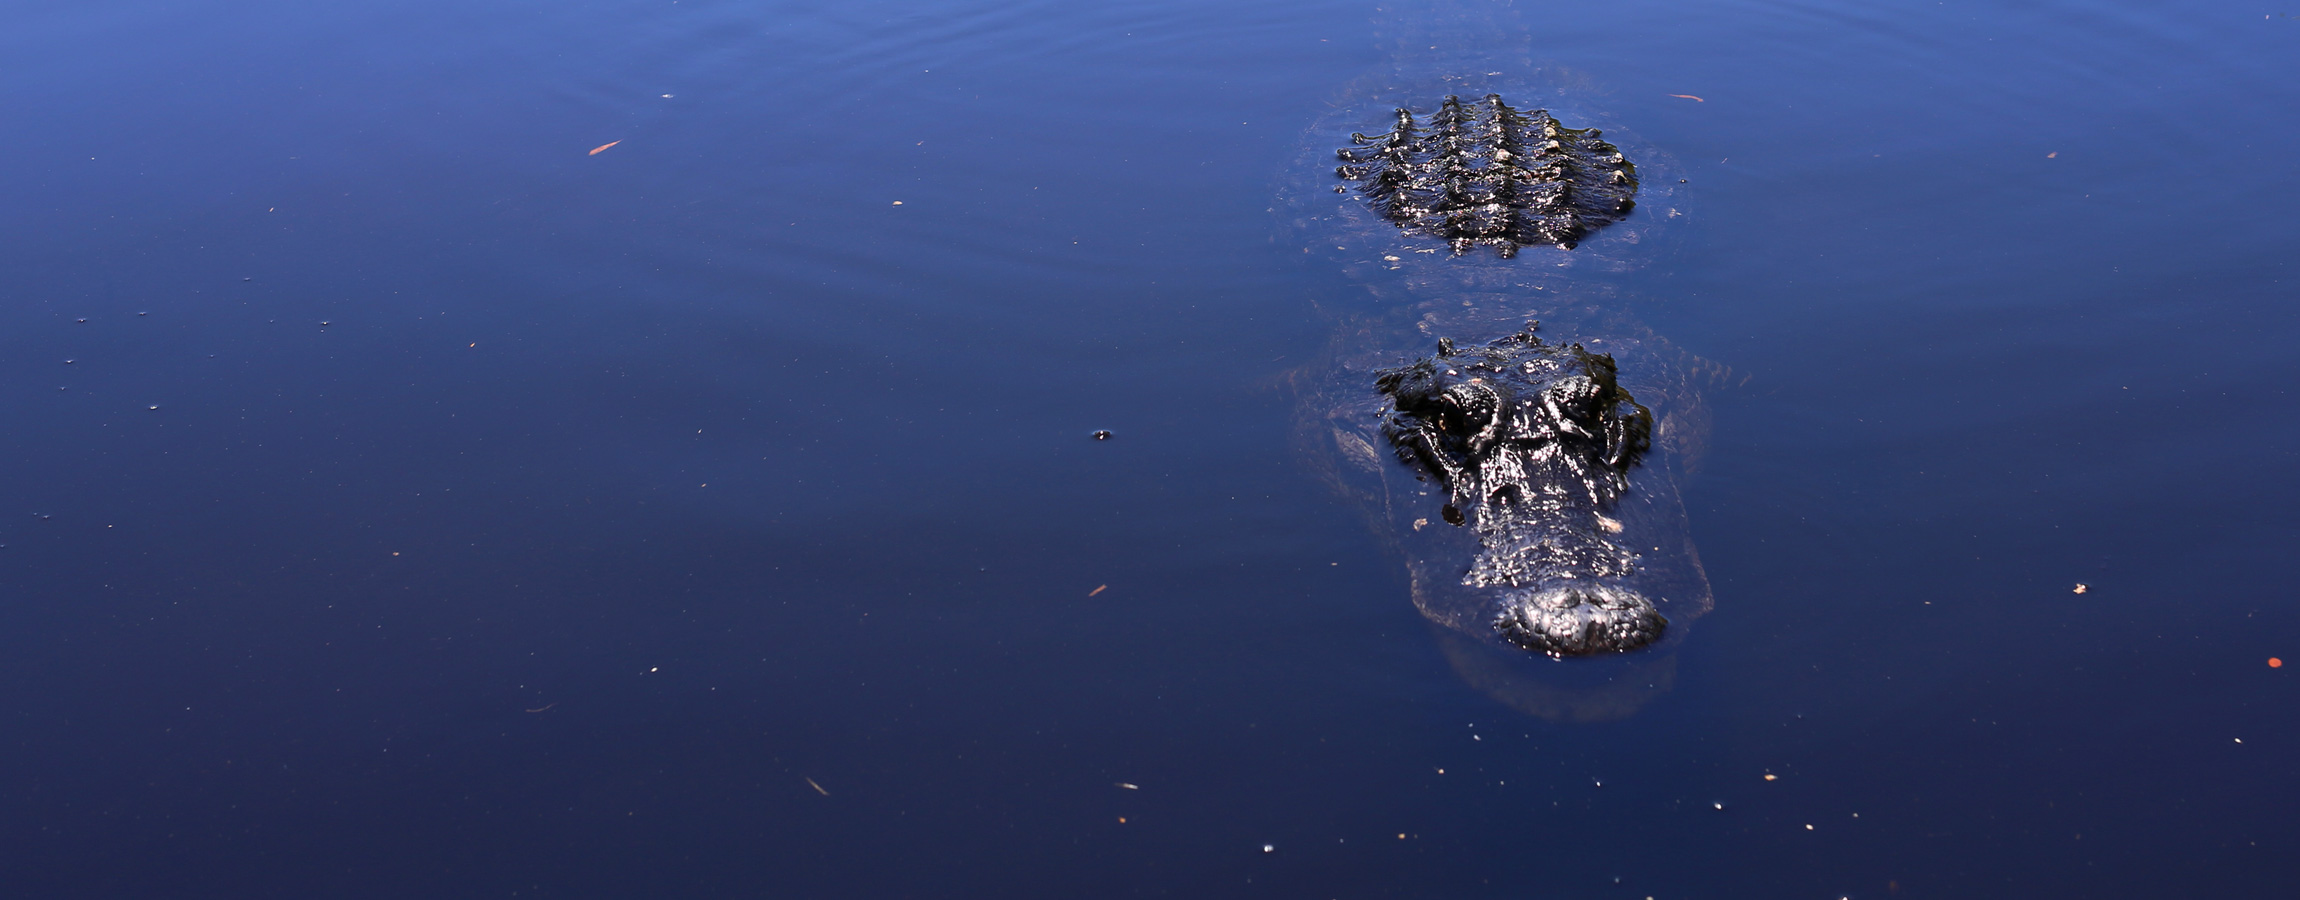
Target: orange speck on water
x,y
2275,663
596,150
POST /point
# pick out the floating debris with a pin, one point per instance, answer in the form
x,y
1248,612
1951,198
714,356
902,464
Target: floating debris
x,y
818,788
1097,590
2081,588
595,151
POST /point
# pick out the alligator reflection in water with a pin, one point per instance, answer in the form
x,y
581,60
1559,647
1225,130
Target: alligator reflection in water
x,y
1526,474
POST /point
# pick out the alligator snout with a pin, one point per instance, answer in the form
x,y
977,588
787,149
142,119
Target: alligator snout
x,y
1577,619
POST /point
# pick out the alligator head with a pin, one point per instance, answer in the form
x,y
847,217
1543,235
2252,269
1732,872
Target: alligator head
x,y
1534,445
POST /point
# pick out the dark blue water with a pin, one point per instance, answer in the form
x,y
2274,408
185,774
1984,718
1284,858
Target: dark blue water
x,y
403,501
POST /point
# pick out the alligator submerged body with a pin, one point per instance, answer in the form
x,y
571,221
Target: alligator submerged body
x,y
1525,471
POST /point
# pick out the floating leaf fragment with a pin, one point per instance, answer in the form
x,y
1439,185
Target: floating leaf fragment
x,y
818,788
2275,663
595,151
2081,588
1689,97
1097,590
2052,155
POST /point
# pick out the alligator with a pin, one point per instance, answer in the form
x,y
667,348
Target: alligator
x,y
1528,479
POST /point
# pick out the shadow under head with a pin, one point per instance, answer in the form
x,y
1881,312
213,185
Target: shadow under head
x,y
1538,450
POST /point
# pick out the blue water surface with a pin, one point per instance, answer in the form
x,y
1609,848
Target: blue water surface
x,y
404,499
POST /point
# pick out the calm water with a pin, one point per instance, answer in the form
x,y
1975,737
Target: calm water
x,y
403,502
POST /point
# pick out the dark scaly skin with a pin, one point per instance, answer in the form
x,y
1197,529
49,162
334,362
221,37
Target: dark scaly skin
x,y
1410,245
1487,174
1534,444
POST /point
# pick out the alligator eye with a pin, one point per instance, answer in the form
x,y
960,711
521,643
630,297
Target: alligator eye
x,y
1452,516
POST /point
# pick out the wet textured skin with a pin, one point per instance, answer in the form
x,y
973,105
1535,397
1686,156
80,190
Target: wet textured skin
x,y
1533,445
1527,477
1529,483
1484,173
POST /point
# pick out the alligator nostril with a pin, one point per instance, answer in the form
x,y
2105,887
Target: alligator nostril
x,y
1580,619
